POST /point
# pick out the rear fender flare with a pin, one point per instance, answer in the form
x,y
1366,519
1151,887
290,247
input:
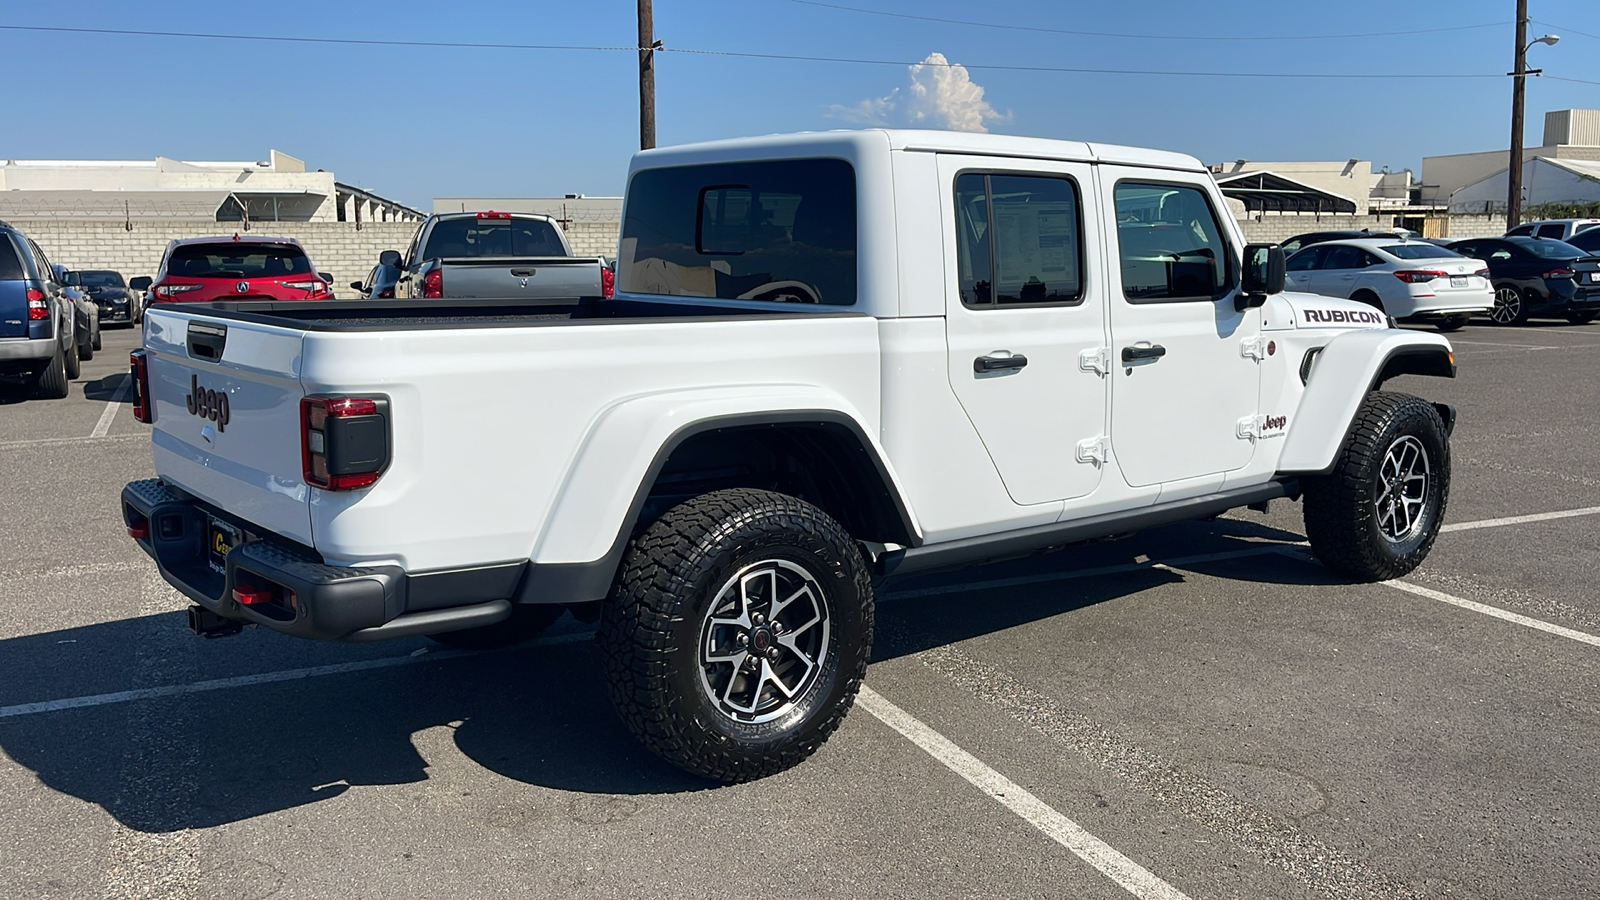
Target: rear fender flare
x,y
1349,367
617,462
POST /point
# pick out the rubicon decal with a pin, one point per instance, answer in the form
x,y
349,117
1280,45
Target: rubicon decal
x,y
1350,316
208,404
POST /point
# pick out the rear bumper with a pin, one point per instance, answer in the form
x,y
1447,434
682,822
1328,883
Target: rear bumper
x,y
27,348
316,600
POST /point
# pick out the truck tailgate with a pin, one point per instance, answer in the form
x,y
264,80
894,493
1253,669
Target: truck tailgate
x,y
524,277
226,396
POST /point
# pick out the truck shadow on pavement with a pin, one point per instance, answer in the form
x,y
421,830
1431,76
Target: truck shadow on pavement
x,y
106,389
536,714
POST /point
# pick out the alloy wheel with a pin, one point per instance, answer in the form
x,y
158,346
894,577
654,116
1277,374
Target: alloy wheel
x,y
763,641
1507,305
1403,481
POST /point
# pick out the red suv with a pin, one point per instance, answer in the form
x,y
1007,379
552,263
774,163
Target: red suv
x,y
196,270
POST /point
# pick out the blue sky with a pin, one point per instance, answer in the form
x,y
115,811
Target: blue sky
x,y
415,123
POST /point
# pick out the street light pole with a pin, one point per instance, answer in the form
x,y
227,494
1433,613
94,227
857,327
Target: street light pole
x,y
647,76
1519,78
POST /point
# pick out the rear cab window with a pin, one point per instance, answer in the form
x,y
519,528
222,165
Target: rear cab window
x,y
237,260
474,236
780,231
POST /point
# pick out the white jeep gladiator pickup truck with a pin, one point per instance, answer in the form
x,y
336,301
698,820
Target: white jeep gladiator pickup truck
x,y
831,358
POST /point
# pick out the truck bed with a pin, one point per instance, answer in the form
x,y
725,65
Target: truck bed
x,y
433,315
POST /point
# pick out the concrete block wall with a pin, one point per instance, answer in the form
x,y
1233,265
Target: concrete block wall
x,y
1277,228
593,238
337,248
1463,227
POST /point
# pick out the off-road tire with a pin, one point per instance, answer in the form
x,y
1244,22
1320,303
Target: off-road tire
x,y
52,382
1341,513
654,627
527,620
1582,318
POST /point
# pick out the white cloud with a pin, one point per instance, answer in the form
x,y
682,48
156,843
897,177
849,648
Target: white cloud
x,y
940,95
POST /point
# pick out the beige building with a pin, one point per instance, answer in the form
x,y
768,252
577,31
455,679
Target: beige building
x,y
1570,134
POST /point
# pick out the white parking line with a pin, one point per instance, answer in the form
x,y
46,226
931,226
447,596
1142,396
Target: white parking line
x,y
112,405
220,684
40,442
1110,862
1497,612
1520,520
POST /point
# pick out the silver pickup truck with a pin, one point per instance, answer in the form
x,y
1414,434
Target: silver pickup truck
x,y
492,255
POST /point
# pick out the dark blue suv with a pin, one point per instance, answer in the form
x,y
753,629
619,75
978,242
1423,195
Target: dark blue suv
x,y
36,318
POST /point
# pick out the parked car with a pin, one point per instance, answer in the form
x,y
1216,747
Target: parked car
x,y
86,319
197,270
1588,241
119,304
1538,278
1301,241
1555,229
1075,342
380,282
495,254
37,330
1410,280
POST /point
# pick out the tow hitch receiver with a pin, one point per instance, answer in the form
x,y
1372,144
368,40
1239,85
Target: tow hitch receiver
x,y
208,624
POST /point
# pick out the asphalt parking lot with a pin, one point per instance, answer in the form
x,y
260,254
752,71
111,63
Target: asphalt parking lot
x,y
1197,711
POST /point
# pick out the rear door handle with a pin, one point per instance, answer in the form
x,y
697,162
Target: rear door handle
x,y
997,363
1153,351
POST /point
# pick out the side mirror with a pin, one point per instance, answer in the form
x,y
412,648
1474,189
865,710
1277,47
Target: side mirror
x,y
389,258
356,284
140,283
326,277
70,278
1266,269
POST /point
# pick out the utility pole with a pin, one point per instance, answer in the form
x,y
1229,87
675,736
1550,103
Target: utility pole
x,y
647,75
1518,87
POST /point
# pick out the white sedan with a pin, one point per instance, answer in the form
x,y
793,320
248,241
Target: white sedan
x,y
1406,279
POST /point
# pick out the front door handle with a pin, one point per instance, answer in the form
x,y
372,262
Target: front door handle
x,y
1153,351
997,363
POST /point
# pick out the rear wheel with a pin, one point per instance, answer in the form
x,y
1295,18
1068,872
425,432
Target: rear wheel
x,y
526,621
737,634
1510,306
73,360
1376,514
1582,318
51,382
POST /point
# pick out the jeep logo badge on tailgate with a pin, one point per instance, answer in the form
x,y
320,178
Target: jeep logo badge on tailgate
x,y
208,404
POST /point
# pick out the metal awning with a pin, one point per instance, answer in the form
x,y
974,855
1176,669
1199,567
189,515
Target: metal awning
x,y
1271,192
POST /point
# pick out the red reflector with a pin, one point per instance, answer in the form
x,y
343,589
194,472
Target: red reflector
x,y
251,596
35,295
433,285
139,532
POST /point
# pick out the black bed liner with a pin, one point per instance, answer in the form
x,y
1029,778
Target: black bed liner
x,y
424,315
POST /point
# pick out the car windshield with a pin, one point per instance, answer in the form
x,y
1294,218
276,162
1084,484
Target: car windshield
x,y
237,260
1548,249
471,236
1419,251
100,279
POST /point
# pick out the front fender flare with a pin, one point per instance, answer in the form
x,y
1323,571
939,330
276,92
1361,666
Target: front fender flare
x,y
1349,367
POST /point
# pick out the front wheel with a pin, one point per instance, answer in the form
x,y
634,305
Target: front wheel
x,y
1376,514
737,634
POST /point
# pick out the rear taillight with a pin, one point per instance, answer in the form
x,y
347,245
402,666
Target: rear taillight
x,y
344,441
38,310
1559,273
139,369
1482,273
492,215
433,285
1419,276
317,289
608,282
168,291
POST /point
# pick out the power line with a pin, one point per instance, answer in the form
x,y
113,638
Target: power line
x,y
1072,70
1144,37
1565,30
1573,80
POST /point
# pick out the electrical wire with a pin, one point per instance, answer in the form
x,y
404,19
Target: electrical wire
x,y
1573,80
1565,30
1144,37
1073,70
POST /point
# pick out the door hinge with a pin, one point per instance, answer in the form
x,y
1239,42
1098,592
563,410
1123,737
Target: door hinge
x,y
1250,428
1095,450
1097,361
1253,348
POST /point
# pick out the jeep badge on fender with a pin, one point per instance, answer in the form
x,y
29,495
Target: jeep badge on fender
x,y
208,404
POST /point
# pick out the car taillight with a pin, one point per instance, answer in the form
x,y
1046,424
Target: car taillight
x,y
433,285
1559,273
608,282
1482,273
1419,276
139,369
167,291
317,288
491,214
38,310
344,441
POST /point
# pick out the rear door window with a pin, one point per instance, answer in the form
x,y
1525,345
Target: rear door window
x,y
1033,254
237,260
468,237
778,231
